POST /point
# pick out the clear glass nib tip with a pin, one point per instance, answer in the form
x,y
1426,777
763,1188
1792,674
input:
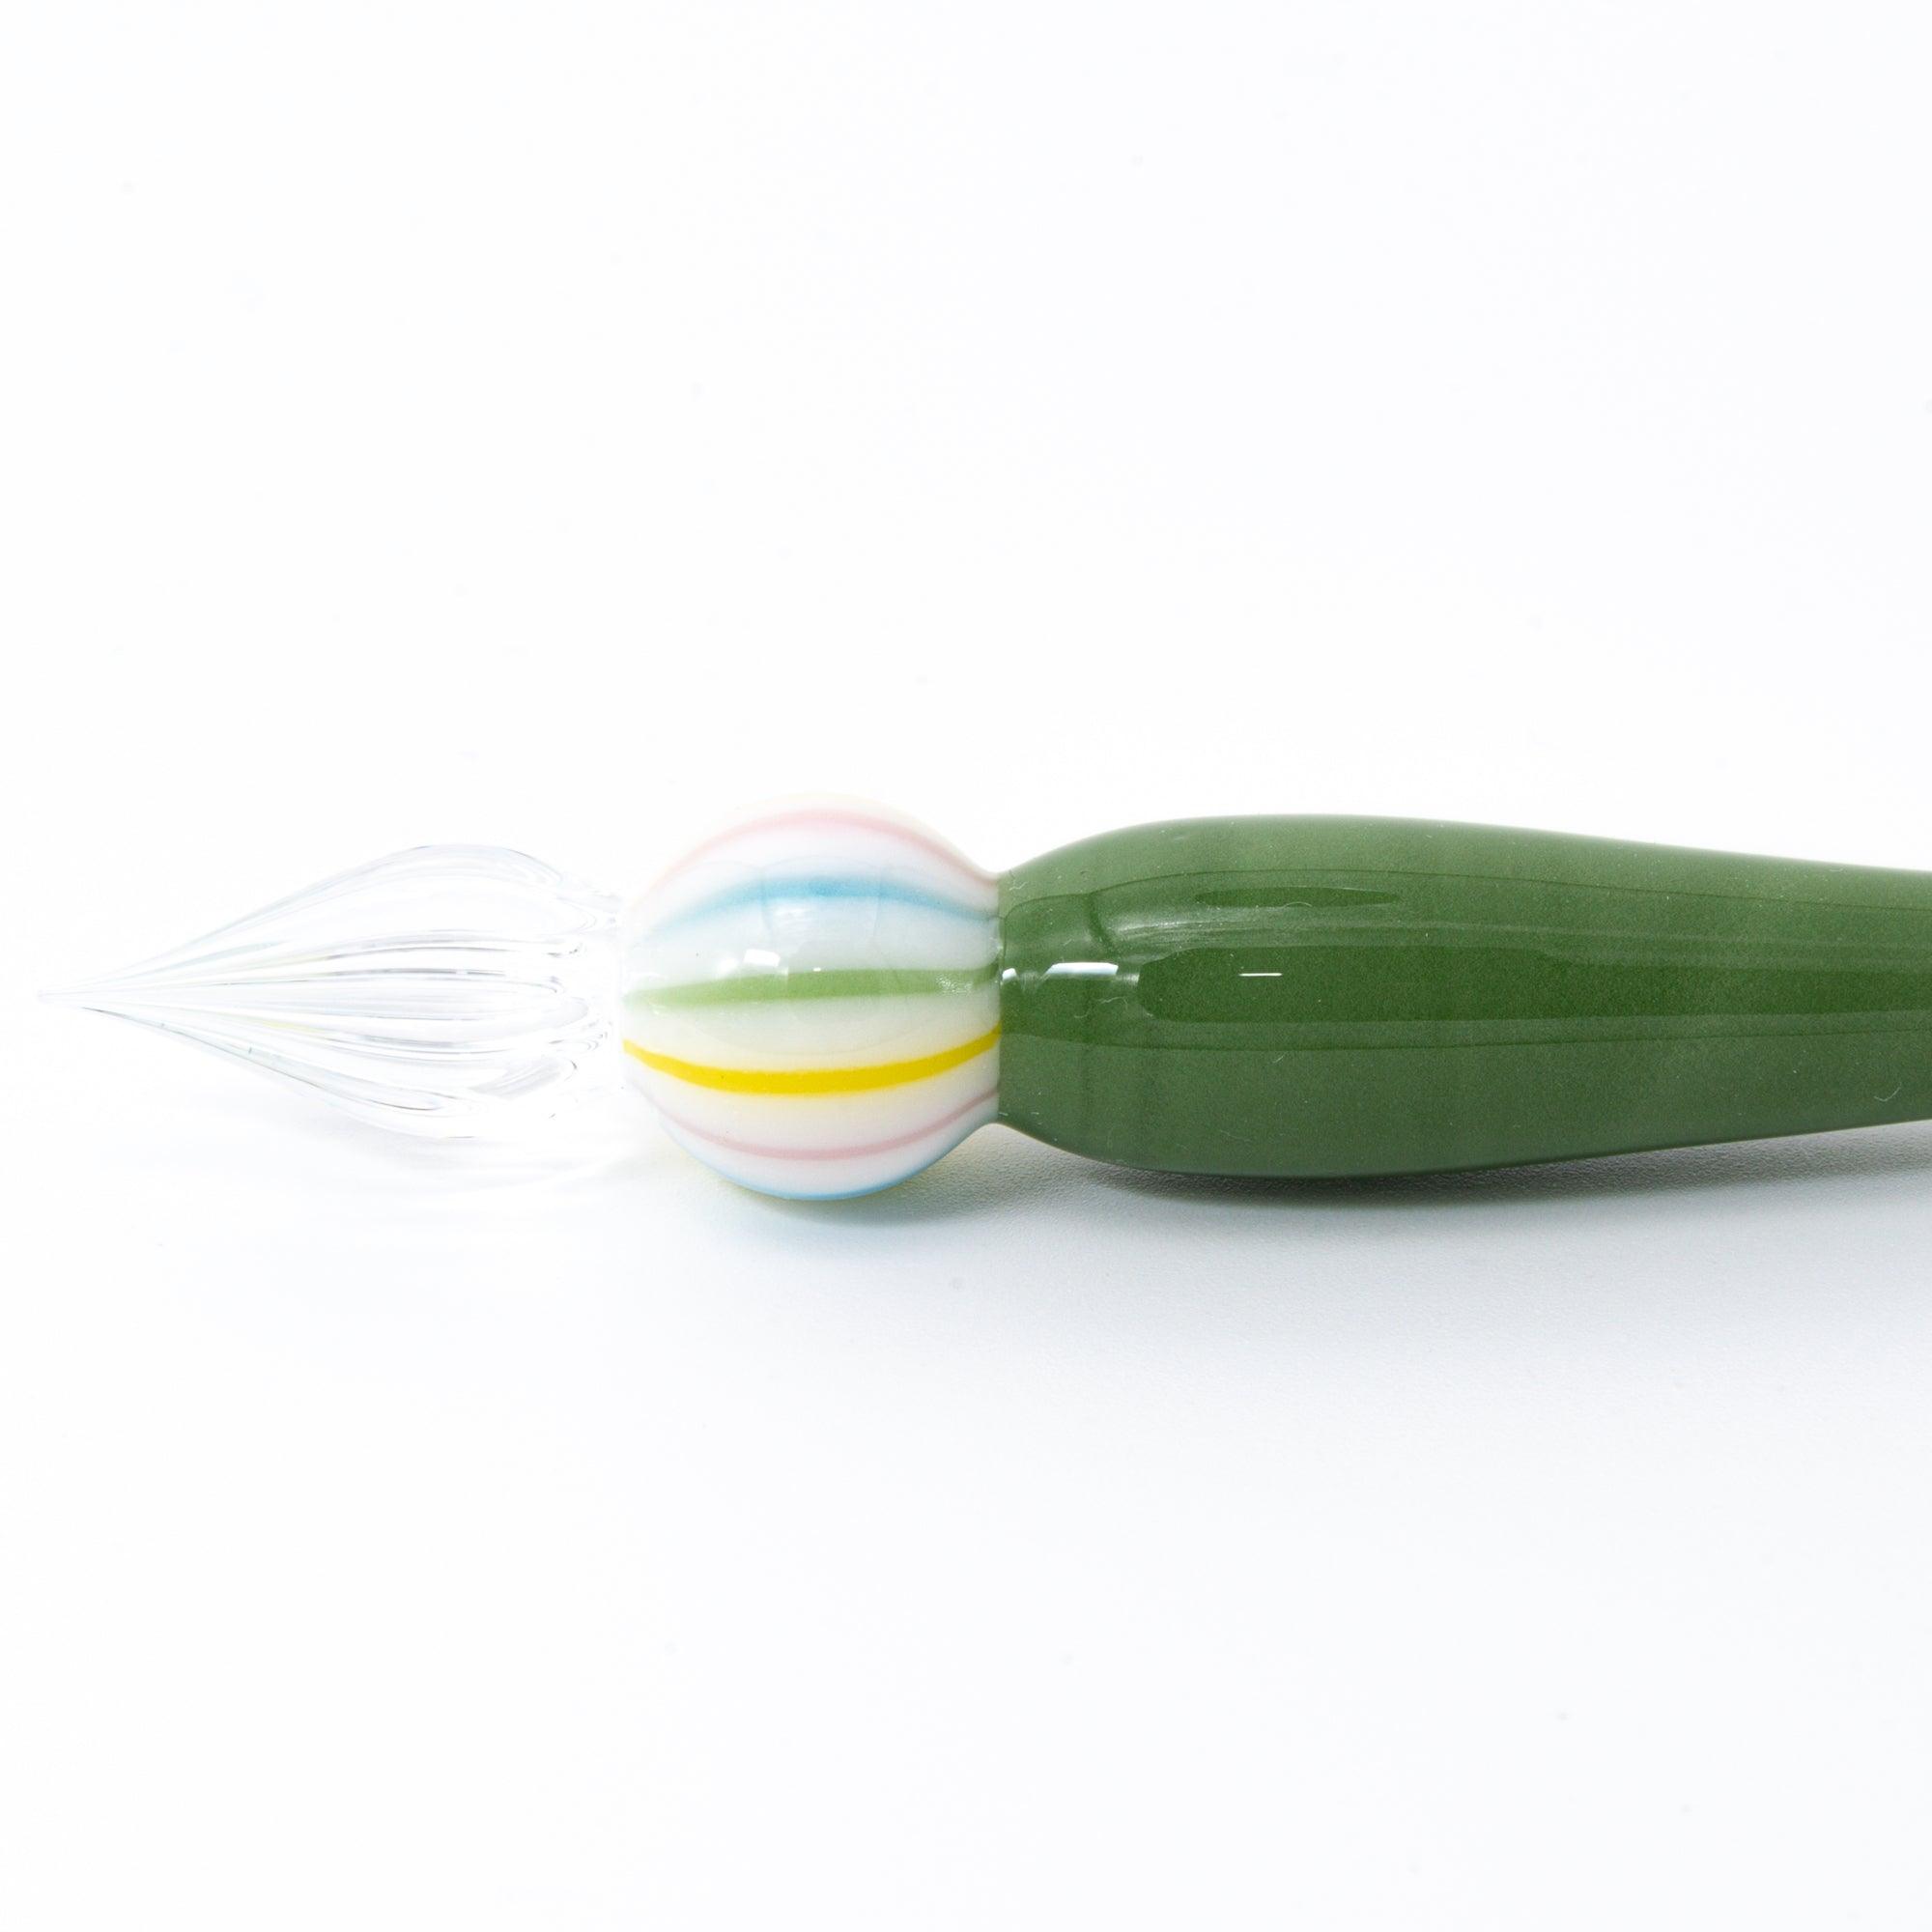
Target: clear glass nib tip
x,y
447,990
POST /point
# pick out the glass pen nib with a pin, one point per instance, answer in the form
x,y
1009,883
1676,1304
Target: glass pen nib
x,y
447,990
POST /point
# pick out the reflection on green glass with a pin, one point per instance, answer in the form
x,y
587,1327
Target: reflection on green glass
x,y
1335,996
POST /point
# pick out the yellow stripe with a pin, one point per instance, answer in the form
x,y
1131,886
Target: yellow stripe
x,y
815,1079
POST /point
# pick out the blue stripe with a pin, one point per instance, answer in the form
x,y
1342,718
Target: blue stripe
x,y
806,891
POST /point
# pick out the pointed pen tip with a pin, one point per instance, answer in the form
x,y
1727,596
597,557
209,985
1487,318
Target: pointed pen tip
x,y
437,991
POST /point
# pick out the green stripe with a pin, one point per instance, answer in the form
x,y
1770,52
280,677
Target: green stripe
x,y
837,982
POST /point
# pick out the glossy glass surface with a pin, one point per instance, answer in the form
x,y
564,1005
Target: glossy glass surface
x,y
1338,996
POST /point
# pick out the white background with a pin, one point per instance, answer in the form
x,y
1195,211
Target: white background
x,y
557,425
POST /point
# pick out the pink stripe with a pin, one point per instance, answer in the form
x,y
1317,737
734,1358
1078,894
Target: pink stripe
x,y
845,821
897,1140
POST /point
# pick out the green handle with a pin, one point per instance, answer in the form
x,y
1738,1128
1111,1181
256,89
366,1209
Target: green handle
x,y
1358,996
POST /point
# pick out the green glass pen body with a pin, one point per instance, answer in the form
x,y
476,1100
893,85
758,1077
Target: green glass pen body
x,y
1331,997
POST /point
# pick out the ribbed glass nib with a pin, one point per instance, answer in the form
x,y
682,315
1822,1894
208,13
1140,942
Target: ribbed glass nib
x,y
448,990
